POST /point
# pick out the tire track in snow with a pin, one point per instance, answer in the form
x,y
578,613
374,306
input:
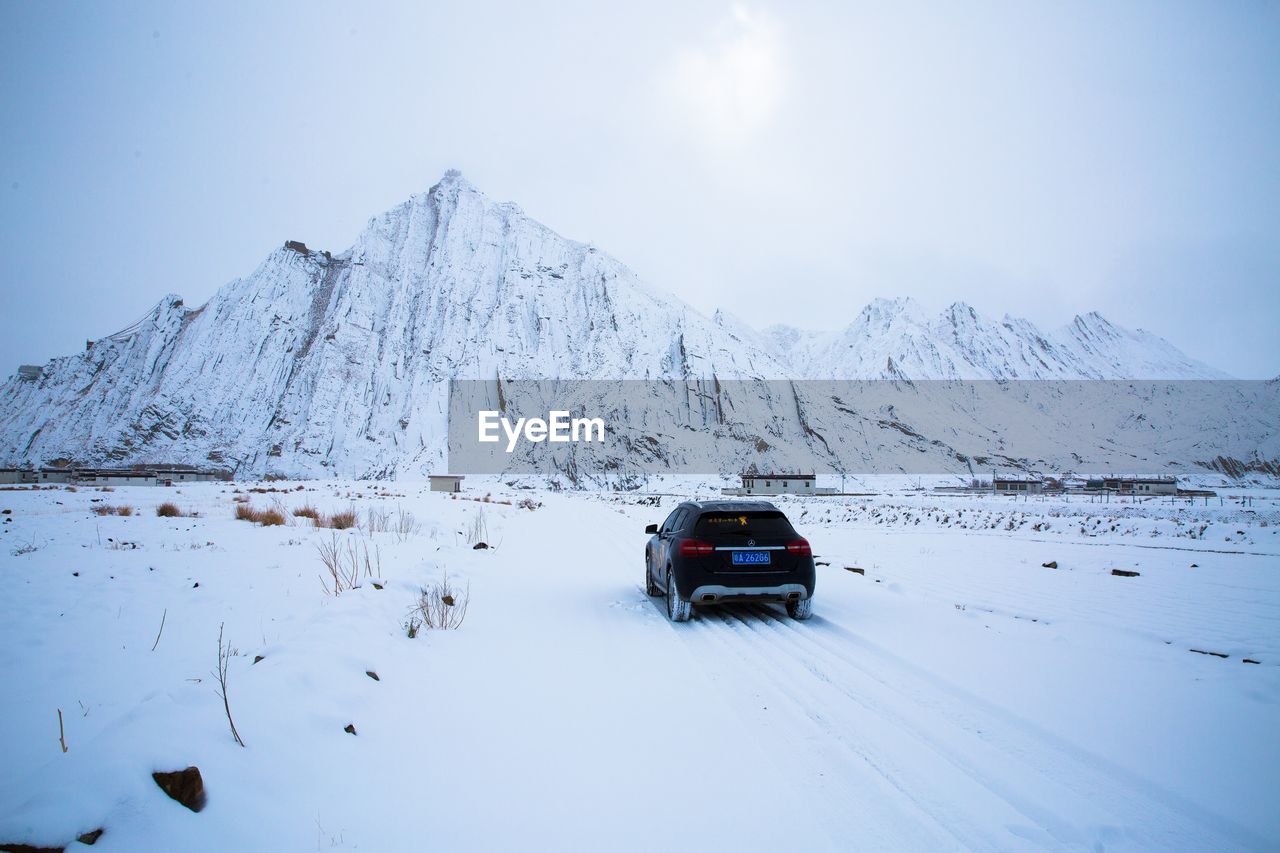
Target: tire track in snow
x,y
874,794
904,756
961,727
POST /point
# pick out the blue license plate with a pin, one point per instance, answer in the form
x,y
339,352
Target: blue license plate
x,y
751,558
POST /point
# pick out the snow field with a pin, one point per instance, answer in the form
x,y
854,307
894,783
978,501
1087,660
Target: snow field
x,y
956,695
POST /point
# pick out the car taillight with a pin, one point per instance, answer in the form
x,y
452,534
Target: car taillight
x,y
800,547
694,548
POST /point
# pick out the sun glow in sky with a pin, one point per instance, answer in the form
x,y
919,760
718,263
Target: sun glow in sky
x,y
731,85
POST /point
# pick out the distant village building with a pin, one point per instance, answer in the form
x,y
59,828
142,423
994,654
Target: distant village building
x,y
173,476
1141,485
778,484
141,475
111,477
1017,485
446,482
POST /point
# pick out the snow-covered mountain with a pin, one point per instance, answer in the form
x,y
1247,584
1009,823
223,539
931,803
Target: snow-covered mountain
x,y
895,338
324,365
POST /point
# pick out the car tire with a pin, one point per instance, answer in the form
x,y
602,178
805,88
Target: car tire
x,y
678,610
800,610
650,587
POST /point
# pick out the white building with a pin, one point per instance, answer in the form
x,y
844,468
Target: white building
x,y
446,482
777,484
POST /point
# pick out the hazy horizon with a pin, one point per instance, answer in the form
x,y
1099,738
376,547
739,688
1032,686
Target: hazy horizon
x,y
787,164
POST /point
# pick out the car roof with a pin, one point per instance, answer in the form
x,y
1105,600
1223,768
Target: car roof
x,y
733,506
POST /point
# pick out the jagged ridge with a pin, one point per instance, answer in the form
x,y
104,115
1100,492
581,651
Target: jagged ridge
x,y
338,365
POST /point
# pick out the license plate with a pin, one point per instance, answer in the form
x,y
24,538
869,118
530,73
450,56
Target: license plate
x,y
751,558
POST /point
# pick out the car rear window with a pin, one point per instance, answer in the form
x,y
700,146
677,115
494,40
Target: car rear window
x,y
748,525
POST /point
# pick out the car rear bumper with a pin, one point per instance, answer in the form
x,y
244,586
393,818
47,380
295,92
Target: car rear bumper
x,y
711,593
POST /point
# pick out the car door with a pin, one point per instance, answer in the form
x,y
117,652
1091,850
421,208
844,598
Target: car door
x,y
667,537
657,551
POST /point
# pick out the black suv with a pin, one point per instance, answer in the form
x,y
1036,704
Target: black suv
x,y
707,552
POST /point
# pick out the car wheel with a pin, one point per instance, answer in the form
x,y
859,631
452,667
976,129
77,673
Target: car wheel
x,y
649,586
801,609
677,609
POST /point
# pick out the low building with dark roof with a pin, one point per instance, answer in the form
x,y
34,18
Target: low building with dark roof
x,y
1017,485
1141,485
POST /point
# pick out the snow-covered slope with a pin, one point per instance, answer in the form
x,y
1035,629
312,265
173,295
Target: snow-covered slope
x,y
339,365
315,363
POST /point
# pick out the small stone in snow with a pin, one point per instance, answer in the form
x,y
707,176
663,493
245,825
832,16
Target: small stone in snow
x,y
349,728
257,658
372,674
857,570
90,837
480,546
184,786
1052,564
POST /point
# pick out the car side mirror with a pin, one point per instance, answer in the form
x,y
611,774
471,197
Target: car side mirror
x,y
651,528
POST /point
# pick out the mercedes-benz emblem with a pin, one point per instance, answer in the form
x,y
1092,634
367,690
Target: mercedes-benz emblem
x,y
751,541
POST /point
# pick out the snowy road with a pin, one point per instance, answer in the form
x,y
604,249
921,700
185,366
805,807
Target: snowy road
x,y
958,695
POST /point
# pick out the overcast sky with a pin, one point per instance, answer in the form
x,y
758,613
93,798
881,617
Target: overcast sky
x,y
786,161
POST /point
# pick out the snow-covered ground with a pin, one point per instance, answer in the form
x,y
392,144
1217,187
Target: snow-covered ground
x,y
958,694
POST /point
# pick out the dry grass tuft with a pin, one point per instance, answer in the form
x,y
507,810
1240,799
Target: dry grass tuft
x,y
306,511
441,606
376,520
344,520
266,517
169,509
346,562
478,531
107,509
405,524
271,518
